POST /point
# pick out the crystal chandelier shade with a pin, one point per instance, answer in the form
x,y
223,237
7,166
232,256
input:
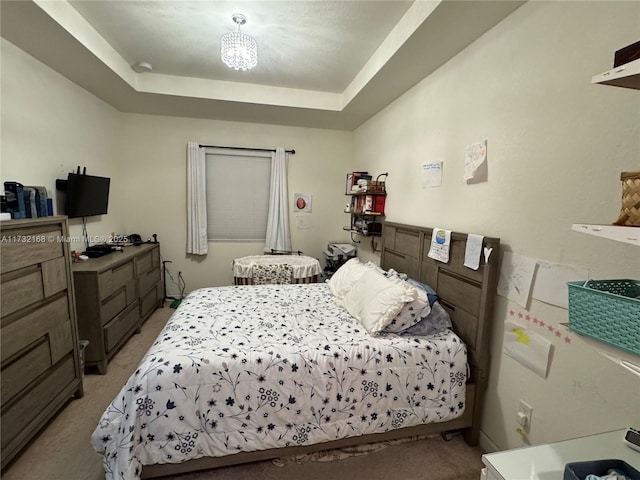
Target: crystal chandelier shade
x,y
238,50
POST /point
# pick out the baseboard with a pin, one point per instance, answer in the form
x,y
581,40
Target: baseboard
x,y
486,445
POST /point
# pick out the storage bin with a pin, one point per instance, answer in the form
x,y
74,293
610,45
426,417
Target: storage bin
x,y
626,54
607,310
580,470
630,209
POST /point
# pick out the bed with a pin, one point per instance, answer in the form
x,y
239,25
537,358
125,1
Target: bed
x,y
247,373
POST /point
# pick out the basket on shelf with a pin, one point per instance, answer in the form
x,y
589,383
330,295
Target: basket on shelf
x,y
607,310
630,208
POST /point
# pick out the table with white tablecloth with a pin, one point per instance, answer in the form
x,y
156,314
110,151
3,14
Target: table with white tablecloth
x,y
260,269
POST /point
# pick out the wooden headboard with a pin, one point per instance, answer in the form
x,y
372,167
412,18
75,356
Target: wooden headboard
x,y
466,294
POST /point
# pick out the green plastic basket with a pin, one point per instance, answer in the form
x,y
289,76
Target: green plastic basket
x,y
607,310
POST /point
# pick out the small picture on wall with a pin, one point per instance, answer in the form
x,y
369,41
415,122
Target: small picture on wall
x,y
301,202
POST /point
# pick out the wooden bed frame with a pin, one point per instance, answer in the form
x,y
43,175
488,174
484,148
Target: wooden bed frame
x,y
466,294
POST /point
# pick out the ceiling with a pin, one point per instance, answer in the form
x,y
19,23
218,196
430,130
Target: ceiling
x,y
325,64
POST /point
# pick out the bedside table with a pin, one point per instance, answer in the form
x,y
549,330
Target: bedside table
x,y
546,462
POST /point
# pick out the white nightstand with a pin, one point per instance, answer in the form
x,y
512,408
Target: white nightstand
x,y
546,462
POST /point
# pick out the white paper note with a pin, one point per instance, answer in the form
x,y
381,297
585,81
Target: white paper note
x,y
431,174
516,277
473,251
550,283
527,347
304,222
440,243
475,155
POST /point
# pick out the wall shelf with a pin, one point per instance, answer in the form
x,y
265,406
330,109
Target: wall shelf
x,y
366,214
621,357
360,232
630,235
612,232
366,207
626,76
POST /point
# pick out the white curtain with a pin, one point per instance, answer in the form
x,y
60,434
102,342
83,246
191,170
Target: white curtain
x,y
196,200
278,234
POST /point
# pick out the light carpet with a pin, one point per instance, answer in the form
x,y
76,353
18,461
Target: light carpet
x,y
63,450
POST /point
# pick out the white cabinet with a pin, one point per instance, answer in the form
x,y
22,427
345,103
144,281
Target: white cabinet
x,y
544,462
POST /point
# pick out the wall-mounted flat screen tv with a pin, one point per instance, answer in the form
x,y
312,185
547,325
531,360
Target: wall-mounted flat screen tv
x,y
87,195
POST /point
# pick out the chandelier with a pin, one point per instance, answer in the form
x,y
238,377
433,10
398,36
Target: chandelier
x,y
239,51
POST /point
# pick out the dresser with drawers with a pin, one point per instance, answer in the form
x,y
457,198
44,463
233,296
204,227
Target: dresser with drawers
x,y
548,461
115,294
39,336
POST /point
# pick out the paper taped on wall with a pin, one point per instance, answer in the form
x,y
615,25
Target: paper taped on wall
x,y
527,347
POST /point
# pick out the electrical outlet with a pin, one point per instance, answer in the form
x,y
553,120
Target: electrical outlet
x,y
525,411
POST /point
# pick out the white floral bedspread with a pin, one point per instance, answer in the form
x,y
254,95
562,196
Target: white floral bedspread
x,y
248,368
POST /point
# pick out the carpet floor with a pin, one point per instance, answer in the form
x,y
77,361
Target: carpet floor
x,y
63,450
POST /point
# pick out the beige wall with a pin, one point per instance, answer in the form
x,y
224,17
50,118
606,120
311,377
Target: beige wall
x,y
155,155
49,127
556,147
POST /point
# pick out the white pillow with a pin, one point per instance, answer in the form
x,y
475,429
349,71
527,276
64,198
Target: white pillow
x,y
376,300
411,313
344,278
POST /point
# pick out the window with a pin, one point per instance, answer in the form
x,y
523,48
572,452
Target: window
x,y
237,196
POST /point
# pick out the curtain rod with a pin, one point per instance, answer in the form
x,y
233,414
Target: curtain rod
x,y
292,151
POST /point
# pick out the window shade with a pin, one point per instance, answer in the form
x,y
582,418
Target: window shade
x,y
237,197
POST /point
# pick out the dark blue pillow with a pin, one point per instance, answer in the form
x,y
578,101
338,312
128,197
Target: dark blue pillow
x,y
431,293
437,321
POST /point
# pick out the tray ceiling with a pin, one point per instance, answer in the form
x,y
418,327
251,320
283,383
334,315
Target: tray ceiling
x,y
325,64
